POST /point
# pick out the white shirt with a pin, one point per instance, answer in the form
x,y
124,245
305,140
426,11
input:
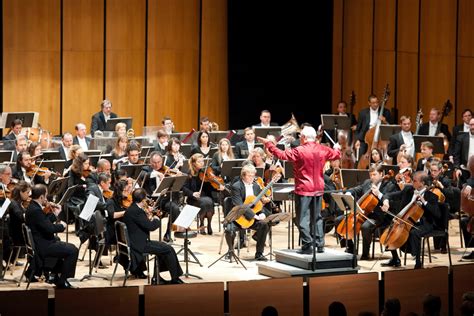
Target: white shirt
x,y
82,143
249,190
106,117
433,128
417,193
471,146
25,176
466,128
251,146
66,152
374,116
263,125
408,140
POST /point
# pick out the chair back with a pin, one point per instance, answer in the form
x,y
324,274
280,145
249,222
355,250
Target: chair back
x,y
99,227
29,242
123,240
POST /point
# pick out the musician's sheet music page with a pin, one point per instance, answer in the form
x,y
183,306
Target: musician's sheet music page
x,y
187,216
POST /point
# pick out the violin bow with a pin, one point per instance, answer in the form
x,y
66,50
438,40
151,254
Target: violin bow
x,y
204,177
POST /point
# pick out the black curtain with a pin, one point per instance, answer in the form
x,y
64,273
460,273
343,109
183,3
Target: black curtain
x,y
280,59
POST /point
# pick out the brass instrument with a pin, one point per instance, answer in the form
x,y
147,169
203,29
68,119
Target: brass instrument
x,y
131,133
213,126
290,127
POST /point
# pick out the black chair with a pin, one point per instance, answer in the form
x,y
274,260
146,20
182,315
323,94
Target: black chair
x,y
441,230
98,221
30,254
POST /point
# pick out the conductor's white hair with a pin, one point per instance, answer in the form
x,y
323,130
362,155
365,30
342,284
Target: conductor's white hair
x,y
309,133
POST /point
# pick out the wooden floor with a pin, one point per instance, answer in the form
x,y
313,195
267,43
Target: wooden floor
x,y
206,249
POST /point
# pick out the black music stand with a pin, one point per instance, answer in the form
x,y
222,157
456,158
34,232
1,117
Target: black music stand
x,y
28,119
57,187
215,137
334,122
272,220
110,125
94,159
66,197
265,131
6,156
284,192
388,130
347,203
353,177
133,171
54,165
92,152
186,150
437,142
235,213
51,155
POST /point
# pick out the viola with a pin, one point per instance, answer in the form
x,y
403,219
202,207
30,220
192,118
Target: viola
x,y
127,201
404,178
50,207
108,194
207,175
36,170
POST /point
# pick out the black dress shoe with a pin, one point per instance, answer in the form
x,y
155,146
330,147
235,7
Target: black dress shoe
x,y
305,250
64,285
260,257
166,238
209,230
364,257
176,281
469,256
392,263
140,275
418,265
320,249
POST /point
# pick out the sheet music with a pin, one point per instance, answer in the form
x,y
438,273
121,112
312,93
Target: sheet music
x,y
89,207
4,207
284,189
187,216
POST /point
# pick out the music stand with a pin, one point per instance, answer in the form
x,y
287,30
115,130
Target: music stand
x,y
387,168
285,192
235,213
185,150
51,155
215,137
110,125
28,119
437,142
133,171
6,155
55,165
335,122
92,152
265,131
95,159
289,170
57,187
388,130
185,219
348,203
272,220
227,165
353,177
66,197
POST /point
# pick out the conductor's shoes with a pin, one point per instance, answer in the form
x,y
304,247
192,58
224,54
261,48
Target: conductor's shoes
x,y
260,257
305,250
176,281
469,256
320,249
64,285
392,263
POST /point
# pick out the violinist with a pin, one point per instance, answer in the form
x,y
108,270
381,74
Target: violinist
x,y
153,178
378,186
133,155
120,148
116,207
103,166
203,145
402,142
26,170
428,201
47,244
224,152
6,181
426,156
368,118
199,192
162,138
404,176
21,145
34,149
74,151
174,159
376,156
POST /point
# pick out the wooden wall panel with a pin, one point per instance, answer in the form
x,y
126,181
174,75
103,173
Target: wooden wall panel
x,y
357,61
437,55
173,59
384,47
83,61
214,88
125,58
337,51
31,59
463,278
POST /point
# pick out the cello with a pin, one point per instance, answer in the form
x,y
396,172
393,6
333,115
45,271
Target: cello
x,y
373,134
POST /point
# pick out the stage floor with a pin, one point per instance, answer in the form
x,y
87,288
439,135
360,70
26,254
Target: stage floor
x,y
206,249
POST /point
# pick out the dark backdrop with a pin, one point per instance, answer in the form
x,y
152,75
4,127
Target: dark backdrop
x,y
280,59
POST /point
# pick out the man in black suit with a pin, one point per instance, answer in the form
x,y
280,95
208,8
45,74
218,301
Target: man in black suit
x,y
461,128
416,193
464,149
368,118
99,119
67,141
433,127
402,141
243,148
21,145
21,171
241,189
47,244
140,222
162,138
15,130
81,138
265,119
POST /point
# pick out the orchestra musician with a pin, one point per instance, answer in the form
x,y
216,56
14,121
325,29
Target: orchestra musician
x,y
34,149
429,203
25,170
224,152
132,158
404,175
403,141
66,144
204,124
464,149
174,158
21,145
377,218
162,141
81,138
341,109
242,189
309,159
466,224
426,156
120,148
463,127
74,151
199,192
154,175
243,148
5,221
203,146
47,244
376,156
99,119
367,119
167,125
120,129
265,119
15,131
433,127
140,222
103,166
116,207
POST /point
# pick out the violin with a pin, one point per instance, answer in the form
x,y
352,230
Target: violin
x,y
404,178
50,207
5,193
127,201
336,178
36,170
207,175
108,194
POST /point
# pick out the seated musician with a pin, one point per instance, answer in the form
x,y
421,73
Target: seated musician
x,y
15,130
243,148
265,119
99,119
416,193
103,166
443,183
402,142
376,156
133,155
120,148
378,186
140,222
467,222
203,145
199,194
404,176
47,244
224,152
463,150
74,151
20,196
8,237
242,189
174,159
81,138
34,149
20,145
162,138
25,170
257,157
121,129
154,175
426,156
66,143
204,124
167,125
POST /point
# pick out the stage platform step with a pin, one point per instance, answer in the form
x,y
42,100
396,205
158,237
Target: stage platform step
x,y
289,263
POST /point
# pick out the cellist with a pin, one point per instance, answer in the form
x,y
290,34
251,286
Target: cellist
x,y
378,187
416,193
